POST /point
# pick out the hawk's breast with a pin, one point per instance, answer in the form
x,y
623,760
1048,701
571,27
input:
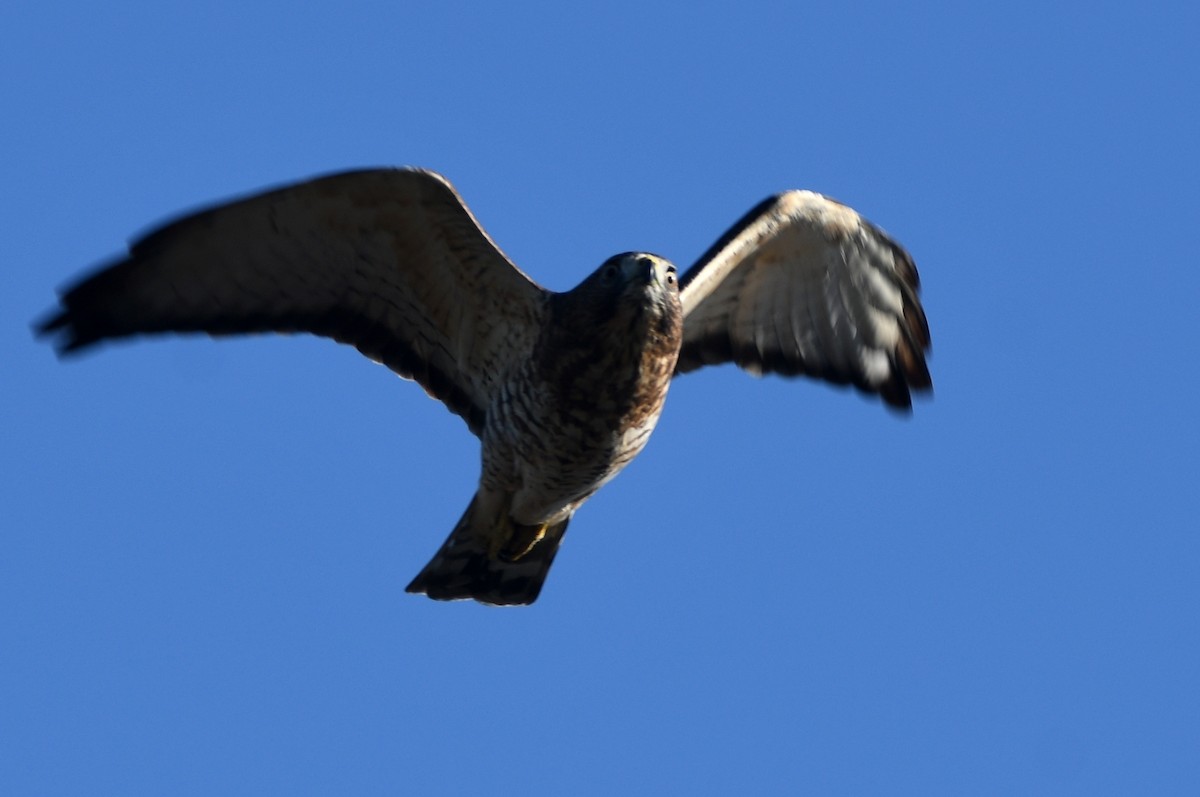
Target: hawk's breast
x,y
583,406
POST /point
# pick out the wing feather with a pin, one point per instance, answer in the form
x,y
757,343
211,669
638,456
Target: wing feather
x,y
389,261
803,285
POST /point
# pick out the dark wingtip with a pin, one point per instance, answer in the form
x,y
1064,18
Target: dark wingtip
x,y
910,375
49,323
896,395
55,326
59,329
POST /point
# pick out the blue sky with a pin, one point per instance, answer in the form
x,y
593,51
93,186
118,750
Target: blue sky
x,y
205,544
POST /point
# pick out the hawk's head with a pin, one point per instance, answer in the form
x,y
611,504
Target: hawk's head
x,y
632,298
631,281
637,269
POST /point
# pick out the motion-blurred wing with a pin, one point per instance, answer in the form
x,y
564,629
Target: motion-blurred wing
x,y
804,285
389,261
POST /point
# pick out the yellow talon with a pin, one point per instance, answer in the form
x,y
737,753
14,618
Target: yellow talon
x,y
521,540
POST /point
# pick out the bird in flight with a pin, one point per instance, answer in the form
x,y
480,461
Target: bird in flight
x,y
562,389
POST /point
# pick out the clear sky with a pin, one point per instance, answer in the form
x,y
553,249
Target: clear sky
x,y
203,545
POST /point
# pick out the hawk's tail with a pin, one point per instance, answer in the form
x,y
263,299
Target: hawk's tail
x,y
491,559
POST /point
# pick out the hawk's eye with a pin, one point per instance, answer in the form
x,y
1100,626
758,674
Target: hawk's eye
x,y
671,275
610,273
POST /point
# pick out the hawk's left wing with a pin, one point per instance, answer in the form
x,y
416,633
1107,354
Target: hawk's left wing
x,y
389,261
804,285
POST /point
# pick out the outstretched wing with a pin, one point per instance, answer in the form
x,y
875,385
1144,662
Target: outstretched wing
x,y
389,261
804,285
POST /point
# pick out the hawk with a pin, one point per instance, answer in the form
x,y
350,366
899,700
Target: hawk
x,y
562,389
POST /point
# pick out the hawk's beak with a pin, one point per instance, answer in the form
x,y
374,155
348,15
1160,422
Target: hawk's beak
x,y
650,270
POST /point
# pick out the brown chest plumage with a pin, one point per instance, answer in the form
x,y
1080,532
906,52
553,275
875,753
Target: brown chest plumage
x,y
584,404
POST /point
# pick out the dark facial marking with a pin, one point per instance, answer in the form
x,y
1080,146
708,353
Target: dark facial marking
x,y
610,272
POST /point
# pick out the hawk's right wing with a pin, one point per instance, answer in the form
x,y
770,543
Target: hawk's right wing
x,y
389,261
803,285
